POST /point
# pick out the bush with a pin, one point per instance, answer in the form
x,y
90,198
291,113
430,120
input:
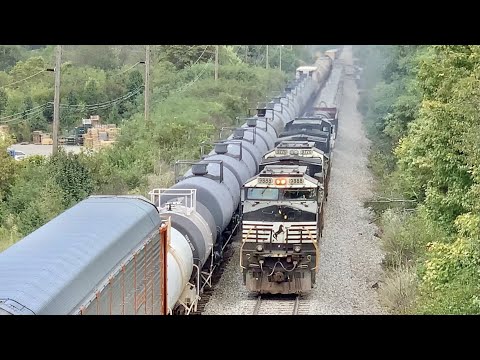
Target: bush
x,y
405,236
398,291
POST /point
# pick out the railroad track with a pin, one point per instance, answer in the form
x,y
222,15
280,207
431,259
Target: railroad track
x,y
280,305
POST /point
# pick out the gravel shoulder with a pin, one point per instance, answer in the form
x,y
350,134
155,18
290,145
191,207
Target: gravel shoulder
x,y
350,255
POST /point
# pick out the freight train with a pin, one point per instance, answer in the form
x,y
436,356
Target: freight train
x,y
283,206
102,255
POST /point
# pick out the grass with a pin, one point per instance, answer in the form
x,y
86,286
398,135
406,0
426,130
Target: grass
x,y
399,289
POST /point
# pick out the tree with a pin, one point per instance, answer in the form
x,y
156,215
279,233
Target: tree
x,y
24,69
9,55
70,116
35,47
72,176
91,94
114,116
135,80
97,56
3,100
184,55
7,168
48,113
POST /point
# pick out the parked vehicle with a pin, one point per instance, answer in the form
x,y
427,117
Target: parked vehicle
x,y
16,154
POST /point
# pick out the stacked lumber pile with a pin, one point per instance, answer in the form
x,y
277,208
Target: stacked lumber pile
x,y
100,136
46,139
41,138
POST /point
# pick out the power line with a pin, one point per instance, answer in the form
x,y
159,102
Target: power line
x,y
39,109
28,77
118,101
22,118
204,68
200,55
130,68
183,88
25,111
105,103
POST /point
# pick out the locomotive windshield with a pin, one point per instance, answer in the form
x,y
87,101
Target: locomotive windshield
x,y
262,194
299,194
269,194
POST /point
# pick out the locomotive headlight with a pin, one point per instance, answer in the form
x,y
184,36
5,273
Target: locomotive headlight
x,y
297,248
259,248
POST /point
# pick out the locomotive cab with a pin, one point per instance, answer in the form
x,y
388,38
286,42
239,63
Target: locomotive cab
x,y
282,221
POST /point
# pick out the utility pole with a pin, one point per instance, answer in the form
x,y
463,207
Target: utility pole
x,y
216,62
147,84
266,66
281,46
246,53
56,99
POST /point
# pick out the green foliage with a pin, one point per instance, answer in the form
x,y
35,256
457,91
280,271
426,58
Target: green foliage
x,y
72,175
42,189
3,100
7,168
399,290
431,122
84,82
96,56
184,55
451,280
406,235
9,56
34,198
